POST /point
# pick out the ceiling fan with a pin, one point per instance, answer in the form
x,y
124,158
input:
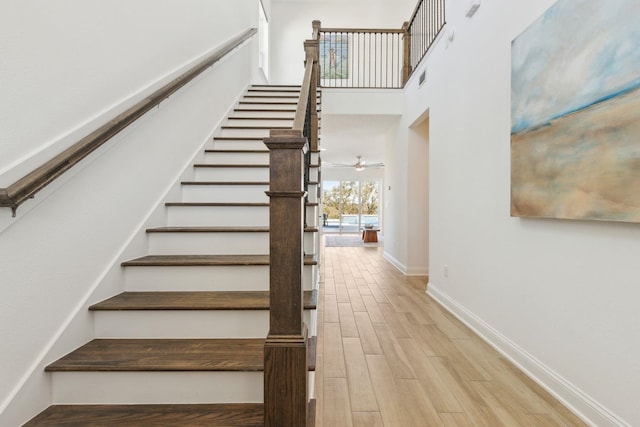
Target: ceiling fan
x,y
359,165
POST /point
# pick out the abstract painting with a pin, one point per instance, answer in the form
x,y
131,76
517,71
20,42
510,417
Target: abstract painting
x,y
575,113
334,56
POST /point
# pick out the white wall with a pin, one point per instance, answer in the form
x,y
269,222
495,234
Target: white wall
x,y
291,23
65,66
559,297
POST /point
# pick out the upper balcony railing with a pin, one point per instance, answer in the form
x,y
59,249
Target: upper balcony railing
x,y
379,58
425,25
361,58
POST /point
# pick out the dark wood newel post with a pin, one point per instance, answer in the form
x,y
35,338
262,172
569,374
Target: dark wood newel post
x,y
406,69
285,352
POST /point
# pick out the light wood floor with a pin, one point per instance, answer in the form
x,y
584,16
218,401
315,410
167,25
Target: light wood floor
x,y
389,355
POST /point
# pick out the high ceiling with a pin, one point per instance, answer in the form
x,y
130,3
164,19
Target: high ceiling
x,y
344,137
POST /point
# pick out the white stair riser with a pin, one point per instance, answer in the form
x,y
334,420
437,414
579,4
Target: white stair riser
x,y
312,218
197,278
237,158
208,243
315,158
310,277
270,97
253,105
223,144
312,193
184,324
313,174
227,243
254,174
262,122
206,278
263,88
244,132
310,243
263,114
218,216
259,92
225,193
156,387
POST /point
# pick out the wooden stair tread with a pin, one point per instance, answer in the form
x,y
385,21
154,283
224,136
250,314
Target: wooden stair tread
x,y
218,229
225,165
238,138
213,150
225,183
253,127
216,204
201,229
312,348
267,103
261,118
202,300
253,92
180,415
224,204
271,86
126,355
204,260
265,110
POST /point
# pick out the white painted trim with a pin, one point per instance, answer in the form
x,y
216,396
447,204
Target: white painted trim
x,y
397,264
417,271
585,407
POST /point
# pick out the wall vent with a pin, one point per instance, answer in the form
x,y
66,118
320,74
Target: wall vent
x,y
423,77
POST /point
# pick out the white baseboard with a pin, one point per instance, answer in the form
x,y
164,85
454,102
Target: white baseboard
x,y
407,271
397,264
585,407
417,271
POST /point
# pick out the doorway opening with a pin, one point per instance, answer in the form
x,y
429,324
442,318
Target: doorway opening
x,y
348,207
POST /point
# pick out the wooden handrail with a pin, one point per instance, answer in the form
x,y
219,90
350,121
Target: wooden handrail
x,y
301,110
27,186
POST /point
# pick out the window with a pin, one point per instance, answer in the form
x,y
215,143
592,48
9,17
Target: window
x,y
350,206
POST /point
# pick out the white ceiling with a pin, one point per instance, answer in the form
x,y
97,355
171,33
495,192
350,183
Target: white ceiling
x,y
344,137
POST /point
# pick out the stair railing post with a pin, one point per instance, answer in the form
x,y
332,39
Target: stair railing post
x,y
406,69
285,352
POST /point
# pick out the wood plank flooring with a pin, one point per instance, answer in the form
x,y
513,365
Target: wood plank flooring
x,y
388,355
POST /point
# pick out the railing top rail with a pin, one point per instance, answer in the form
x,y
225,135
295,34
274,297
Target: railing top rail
x,y
415,12
362,30
310,47
24,188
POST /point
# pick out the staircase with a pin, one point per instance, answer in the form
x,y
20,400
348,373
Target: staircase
x,y
183,345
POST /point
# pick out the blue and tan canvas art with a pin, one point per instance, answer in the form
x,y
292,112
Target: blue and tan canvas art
x,y
575,113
